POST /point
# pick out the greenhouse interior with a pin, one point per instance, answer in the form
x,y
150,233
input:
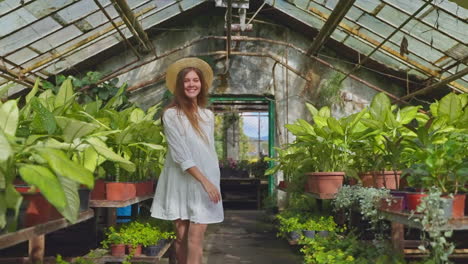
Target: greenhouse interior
x,y
323,131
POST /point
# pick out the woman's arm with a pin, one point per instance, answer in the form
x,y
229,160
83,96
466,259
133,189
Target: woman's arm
x,y
209,187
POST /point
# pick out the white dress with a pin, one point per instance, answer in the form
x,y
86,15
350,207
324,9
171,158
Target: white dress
x,y
178,194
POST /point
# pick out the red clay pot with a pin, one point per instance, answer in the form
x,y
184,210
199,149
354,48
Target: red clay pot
x,y
459,205
130,188
116,191
118,250
136,250
325,182
38,209
413,200
378,179
140,189
99,191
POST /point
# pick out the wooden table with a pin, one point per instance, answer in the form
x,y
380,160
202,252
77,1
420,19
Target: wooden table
x,y
400,219
113,205
139,259
36,235
242,185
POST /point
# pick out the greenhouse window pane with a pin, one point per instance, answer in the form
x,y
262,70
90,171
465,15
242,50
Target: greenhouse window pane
x,y
409,6
392,16
448,24
27,35
303,4
458,51
15,20
22,55
57,38
41,8
98,18
358,45
331,4
320,8
419,74
82,55
453,8
389,61
429,35
371,35
417,47
339,35
368,5
135,3
375,25
78,10
354,13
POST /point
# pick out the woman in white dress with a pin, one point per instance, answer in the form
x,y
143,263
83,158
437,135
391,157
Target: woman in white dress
x,y
188,191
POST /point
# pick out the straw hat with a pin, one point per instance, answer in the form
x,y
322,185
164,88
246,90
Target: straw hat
x,y
176,67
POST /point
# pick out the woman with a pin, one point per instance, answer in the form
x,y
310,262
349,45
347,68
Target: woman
x,y
188,187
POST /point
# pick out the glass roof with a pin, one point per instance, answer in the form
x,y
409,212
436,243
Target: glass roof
x,y
44,37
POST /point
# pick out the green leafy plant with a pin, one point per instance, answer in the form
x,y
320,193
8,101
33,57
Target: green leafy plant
x,y
288,224
113,237
320,224
434,222
442,165
365,200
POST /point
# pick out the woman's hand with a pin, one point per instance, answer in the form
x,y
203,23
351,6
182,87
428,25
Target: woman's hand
x,y
212,191
209,187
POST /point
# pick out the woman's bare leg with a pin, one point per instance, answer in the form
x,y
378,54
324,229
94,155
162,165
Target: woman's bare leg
x,y
182,227
196,234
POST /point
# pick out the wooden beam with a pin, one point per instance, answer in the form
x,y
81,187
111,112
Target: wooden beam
x,y
132,23
437,85
330,25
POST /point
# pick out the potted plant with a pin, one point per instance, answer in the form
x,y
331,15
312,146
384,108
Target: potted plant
x,y
327,143
444,166
115,241
382,151
290,227
321,226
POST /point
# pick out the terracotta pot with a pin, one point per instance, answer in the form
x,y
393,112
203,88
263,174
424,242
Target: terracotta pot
x,y
136,250
118,250
38,209
378,179
413,200
99,191
325,182
395,204
140,189
116,191
130,188
459,205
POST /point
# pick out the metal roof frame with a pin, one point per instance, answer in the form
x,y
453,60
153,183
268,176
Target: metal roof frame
x,y
33,41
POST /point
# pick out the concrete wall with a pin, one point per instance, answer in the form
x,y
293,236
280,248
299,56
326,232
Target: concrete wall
x,y
255,75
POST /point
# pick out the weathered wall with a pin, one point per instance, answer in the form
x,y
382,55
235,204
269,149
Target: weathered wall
x,y
256,75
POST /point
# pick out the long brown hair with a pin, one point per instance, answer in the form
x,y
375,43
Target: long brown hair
x,y
183,103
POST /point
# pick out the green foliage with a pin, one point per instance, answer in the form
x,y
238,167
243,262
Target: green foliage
x,y
338,249
55,143
78,260
330,91
320,224
434,222
365,200
442,165
113,237
288,224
